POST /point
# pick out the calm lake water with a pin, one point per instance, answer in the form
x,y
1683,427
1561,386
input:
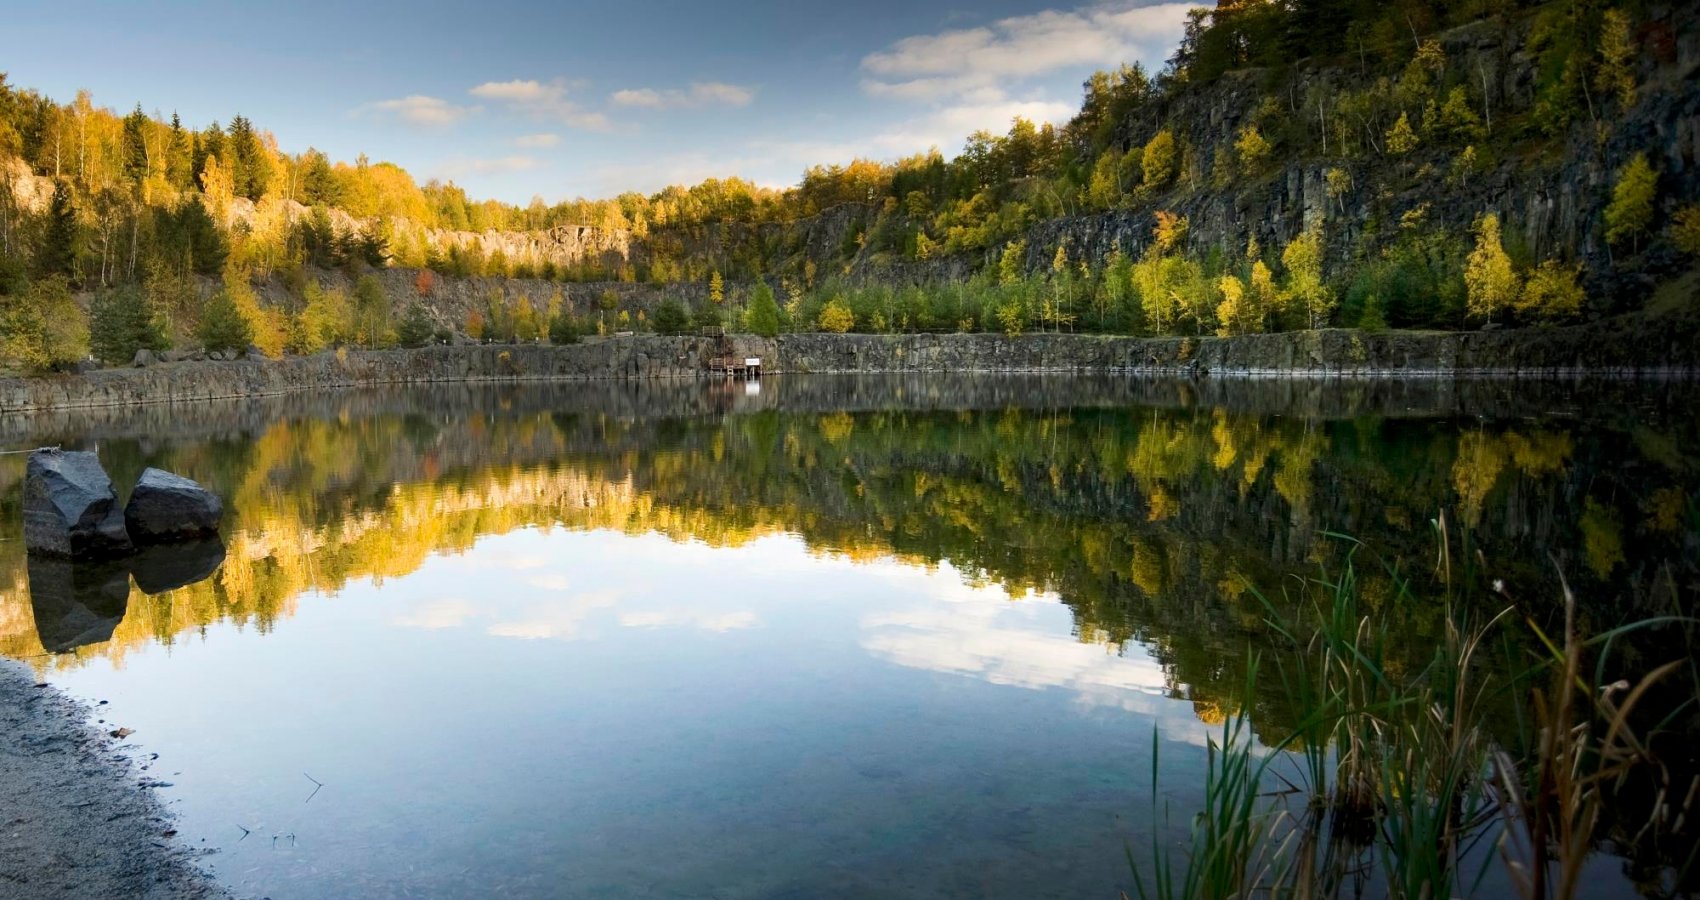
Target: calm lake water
x,y
820,637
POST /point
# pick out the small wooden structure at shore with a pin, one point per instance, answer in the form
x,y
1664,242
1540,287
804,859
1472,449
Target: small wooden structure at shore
x,y
722,360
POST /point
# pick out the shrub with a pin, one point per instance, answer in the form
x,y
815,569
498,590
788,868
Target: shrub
x,y
223,326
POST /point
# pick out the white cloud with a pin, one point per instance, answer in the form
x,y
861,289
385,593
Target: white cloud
x,y
562,620
644,97
988,58
543,101
419,109
439,614
700,93
718,622
537,141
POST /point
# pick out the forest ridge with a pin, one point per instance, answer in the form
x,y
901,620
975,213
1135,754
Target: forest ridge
x,y
1142,214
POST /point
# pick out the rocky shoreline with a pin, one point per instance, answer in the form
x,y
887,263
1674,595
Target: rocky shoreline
x,y
80,820
1628,346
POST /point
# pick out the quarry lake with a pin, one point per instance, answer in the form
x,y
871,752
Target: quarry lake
x,y
809,637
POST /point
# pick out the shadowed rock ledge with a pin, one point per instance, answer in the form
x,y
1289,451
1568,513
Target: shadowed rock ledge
x,y
1627,346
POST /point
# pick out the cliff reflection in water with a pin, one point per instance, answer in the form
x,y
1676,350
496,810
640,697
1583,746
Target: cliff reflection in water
x,y
1150,509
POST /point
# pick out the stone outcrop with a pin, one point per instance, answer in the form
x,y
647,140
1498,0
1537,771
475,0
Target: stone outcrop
x,y
1667,346
168,507
70,509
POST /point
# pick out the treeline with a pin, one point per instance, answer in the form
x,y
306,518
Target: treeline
x,y
145,207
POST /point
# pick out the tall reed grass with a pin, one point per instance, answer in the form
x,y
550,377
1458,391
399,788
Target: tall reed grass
x,y
1494,764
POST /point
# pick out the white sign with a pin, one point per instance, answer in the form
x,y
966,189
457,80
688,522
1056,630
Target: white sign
x,y
752,360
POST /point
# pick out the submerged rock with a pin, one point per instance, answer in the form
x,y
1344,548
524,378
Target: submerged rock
x,y
167,507
75,602
70,508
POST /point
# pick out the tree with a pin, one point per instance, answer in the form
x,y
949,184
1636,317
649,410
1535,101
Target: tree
x,y
416,326
526,327
1169,232
250,165
1685,229
1231,315
42,327
1305,289
120,323
136,154
372,246
371,313
1157,160
670,317
716,288
1009,262
1616,74
65,339
1401,138
563,329
223,326
1253,150
836,317
1104,189
1490,279
1630,212
58,253
762,316
1551,293
327,319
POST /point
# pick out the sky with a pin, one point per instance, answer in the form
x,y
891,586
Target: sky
x,y
513,100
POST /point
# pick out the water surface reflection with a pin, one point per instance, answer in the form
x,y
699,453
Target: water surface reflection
x,y
840,637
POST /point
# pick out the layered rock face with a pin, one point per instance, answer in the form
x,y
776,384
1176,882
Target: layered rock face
x,y
70,508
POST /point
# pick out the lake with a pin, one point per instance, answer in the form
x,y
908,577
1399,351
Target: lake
x,y
808,637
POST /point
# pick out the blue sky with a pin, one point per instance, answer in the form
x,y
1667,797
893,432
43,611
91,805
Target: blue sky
x,y
515,99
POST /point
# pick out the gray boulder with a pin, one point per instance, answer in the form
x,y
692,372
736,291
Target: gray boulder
x,y
167,507
70,508
144,358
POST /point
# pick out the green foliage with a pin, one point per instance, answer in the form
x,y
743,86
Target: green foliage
x,y
1417,279
58,252
564,328
670,317
1685,229
1630,214
707,315
416,327
1010,262
1616,74
372,313
222,326
327,320
762,316
120,323
41,327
